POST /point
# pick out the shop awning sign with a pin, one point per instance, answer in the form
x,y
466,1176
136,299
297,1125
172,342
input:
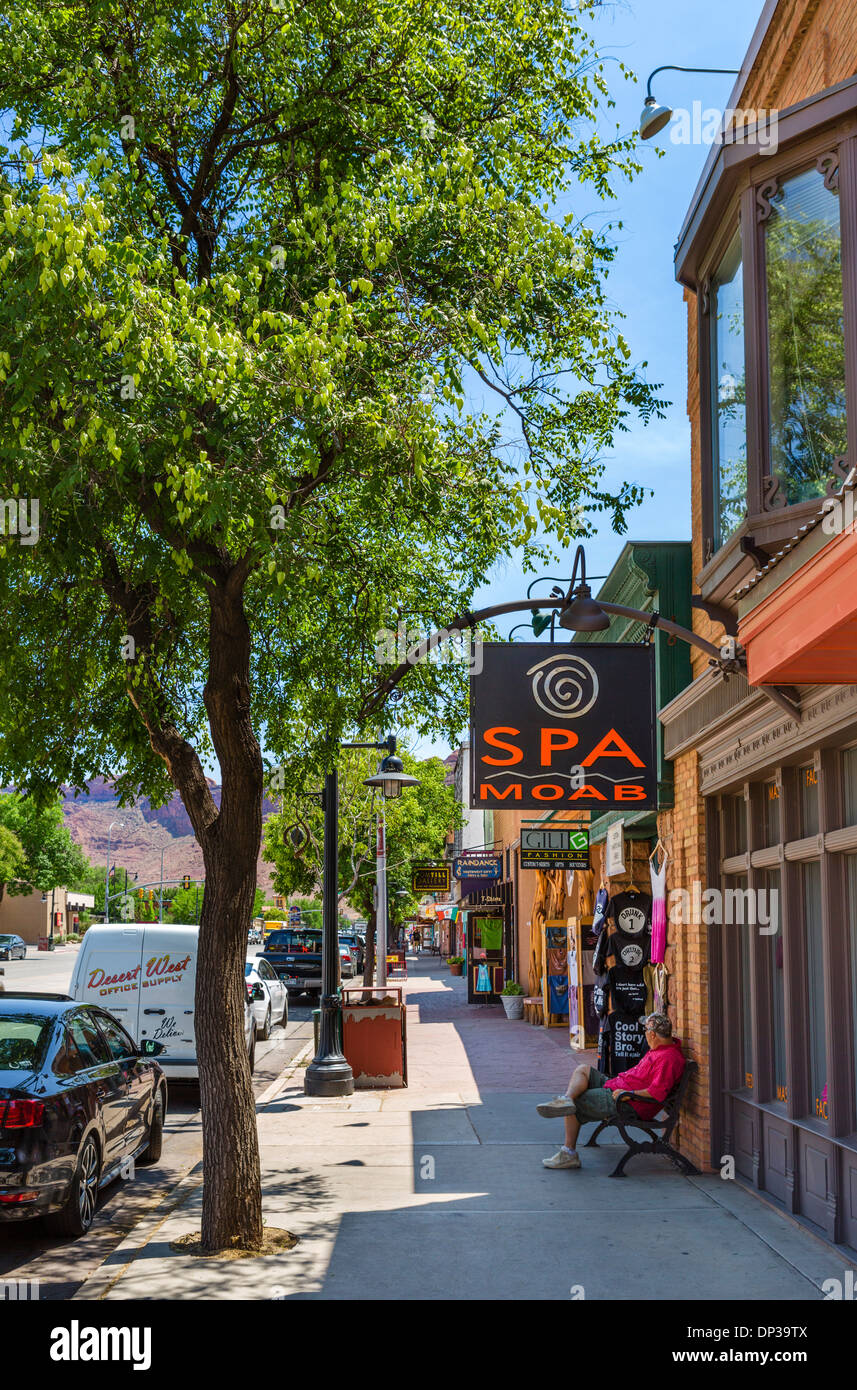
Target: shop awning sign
x,y
431,878
554,847
570,726
478,864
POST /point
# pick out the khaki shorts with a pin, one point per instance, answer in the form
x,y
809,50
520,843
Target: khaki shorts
x,y
596,1103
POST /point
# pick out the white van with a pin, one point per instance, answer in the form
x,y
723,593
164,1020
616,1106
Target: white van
x,y
146,975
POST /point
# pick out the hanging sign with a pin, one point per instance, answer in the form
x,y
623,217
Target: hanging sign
x,y
480,864
431,878
574,728
614,849
555,847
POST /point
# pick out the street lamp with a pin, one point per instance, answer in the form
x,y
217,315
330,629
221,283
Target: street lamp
x,y
390,779
120,823
582,613
654,116
329,1074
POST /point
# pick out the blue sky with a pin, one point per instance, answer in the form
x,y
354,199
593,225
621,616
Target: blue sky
x,y
645,34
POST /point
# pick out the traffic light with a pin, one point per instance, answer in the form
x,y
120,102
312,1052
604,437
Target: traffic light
x,y
140,894
151,895
186,881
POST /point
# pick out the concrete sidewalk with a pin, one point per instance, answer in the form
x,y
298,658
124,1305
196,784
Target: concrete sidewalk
x,y
438,1191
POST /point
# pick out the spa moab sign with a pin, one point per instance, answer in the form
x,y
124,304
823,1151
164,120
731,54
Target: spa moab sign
x,y
565,726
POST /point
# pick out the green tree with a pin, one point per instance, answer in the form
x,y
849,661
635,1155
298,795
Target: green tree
x,y
253,257
13,859
50,856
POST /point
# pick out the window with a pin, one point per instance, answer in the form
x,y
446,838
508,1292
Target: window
x,y
808,790
849,778
88,1041
771,813
770,884
806,341
735,827
815,987
728,409
118,1041
23,1039
68,1060
852,938
746,999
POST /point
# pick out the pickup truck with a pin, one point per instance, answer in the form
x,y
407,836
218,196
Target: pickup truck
x,y
295,955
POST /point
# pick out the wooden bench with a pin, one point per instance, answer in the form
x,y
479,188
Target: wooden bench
x,y
659,1130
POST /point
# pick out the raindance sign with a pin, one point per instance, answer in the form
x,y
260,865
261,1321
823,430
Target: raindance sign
x,y
478,863
575,726
555,849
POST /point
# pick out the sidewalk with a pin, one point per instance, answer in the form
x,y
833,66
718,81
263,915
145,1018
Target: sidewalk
x,y
437,1191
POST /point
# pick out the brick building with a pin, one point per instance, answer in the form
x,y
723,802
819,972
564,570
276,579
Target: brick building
x,y
765,764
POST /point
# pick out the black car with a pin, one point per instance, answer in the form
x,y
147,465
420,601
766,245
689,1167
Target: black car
x,y
12,947
78,1100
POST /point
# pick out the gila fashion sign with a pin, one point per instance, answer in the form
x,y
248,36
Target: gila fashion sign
x,y
555,848
431,878
571,725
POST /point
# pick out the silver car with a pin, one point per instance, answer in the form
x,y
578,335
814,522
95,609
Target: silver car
x,y
272,1005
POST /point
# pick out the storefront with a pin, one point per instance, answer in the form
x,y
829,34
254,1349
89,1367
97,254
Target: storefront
x,y
764,824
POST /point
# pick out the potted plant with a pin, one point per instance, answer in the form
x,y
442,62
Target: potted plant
x,y
512,996
456,964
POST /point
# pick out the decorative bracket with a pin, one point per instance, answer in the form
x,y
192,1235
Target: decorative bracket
x,y
828,165
765,195
773,497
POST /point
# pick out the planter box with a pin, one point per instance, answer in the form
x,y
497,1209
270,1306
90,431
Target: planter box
x,y
513,1004
374,1038
456,969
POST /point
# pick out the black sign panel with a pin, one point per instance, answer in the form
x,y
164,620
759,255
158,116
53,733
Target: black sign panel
x,y
555,847
431,878
570,725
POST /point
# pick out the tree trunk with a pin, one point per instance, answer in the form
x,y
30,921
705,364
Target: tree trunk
x,y
369,959
232,1192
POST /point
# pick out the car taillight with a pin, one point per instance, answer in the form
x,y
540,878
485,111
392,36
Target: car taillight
x,y
21,1114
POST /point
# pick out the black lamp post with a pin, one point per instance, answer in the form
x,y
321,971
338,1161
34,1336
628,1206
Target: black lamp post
x,y
329,1074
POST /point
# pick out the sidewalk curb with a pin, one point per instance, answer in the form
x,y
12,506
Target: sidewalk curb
x,y
109,1272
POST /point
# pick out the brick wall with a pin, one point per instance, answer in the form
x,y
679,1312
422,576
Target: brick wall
x,y
810,45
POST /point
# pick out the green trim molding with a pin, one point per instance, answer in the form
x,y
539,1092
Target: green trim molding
x,y
655,577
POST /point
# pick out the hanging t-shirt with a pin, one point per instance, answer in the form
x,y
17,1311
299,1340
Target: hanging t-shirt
x,y
627,1042
630,950
630,913
601,995
628,989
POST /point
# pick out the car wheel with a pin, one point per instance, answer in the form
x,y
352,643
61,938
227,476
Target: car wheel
x,y
266,1027
75,1218
152,1151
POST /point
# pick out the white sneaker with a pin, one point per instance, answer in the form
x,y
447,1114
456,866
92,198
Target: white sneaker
x,y
560,1105
562,1159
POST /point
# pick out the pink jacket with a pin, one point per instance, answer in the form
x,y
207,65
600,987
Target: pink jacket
x,y
657,1072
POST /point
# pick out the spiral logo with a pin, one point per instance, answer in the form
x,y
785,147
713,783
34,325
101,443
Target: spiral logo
x,y
564,686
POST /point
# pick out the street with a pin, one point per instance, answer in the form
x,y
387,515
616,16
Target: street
x,y
61,1265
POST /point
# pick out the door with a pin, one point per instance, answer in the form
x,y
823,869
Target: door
x,y
167,983
108,972
137,1077
107,1079
276,988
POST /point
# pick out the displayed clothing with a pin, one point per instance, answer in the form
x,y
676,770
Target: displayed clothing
x,y
558,994
627,1041
601,996
630,913
483,980
557,961
649,977
657,1072
600,910
603,1063
627,989
660,991
491,933
629,950
659,909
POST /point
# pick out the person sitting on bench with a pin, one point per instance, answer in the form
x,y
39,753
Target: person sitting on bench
x,y
592,1096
